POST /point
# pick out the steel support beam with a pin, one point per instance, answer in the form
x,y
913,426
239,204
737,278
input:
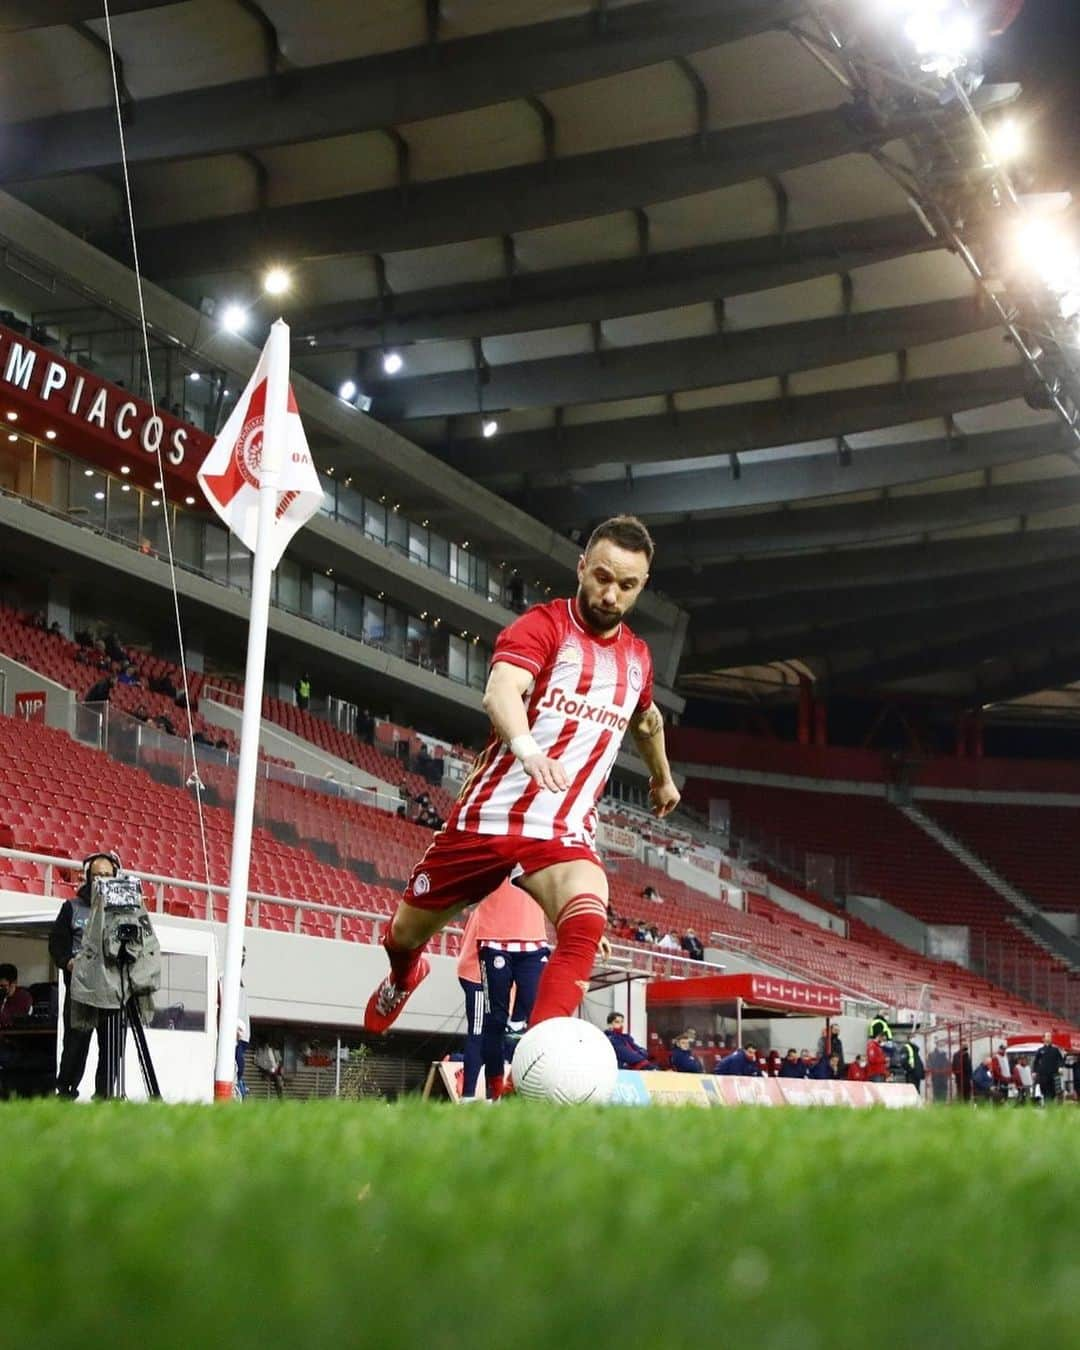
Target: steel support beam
x,y
502,201
375,92
841,621
729,429
18,15
688,546
531,301
689,363
1002,641
915,564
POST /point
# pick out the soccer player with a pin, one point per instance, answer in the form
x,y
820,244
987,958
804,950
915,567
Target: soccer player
x,y
567,680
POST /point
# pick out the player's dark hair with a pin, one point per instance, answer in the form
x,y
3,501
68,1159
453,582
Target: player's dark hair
x,y
612,1016
9,972
626,531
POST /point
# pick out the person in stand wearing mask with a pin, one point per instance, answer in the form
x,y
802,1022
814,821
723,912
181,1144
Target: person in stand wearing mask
x,y
65,940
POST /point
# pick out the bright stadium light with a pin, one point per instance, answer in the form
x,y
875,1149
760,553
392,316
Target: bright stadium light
x,y
392,362
489,428
234,318
347,390
1007,139
277,281
1047,251
943,35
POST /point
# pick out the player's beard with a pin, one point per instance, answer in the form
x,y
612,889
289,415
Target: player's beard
x,y
601,619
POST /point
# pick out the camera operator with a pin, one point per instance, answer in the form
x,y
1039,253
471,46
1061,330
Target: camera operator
x,y
65,940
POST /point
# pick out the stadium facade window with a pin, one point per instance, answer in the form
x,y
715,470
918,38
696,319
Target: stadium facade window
x,y
322,600
287,584
397,532
457,663
418,544
215,559
438,553
91,496
375,520
349,611
374,620
239,565
187,539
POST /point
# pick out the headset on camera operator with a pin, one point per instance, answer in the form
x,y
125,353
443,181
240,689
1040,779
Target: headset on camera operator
x,y
65,942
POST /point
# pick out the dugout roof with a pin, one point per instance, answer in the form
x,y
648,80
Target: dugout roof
x,y
691,272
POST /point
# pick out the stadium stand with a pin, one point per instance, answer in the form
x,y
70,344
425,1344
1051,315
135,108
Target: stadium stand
x,y
1035,847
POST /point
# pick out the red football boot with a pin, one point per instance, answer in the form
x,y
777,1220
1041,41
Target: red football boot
x,y
386,1003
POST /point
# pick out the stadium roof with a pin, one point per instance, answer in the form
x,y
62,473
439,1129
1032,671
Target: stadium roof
x,y
690,264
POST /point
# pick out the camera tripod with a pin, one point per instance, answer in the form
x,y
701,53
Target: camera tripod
x,y
111,1040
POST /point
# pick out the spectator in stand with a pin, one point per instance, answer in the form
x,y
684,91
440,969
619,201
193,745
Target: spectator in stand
x,y
1002,1071
164,724
827,1067
141,713
938,1065
691,945
772,1064
129,675
114,650
1022,1079
84,637
683,1060
55,630
14,1000
808,1061
961,1072
791,1066
829,1043
914,1069
641,933
84,657
302,688
856,1070
37,621
982,1081
669,942
742,1063
877,1061
101,656
99,693
1045,1067
651,893
627,1051
365,727
162,684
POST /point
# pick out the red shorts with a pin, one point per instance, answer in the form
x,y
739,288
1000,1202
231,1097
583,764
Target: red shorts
x,y
461,866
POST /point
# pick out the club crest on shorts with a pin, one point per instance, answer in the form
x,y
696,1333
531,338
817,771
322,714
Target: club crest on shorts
x,y
499,962
633,675
422,884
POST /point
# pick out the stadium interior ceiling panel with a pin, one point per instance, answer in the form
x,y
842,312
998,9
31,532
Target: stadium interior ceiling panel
x,y
657,244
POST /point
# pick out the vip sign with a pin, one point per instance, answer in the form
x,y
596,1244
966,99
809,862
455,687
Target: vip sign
x,y
30,705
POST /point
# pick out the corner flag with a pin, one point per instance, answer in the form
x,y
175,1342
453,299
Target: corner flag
x,y
229,476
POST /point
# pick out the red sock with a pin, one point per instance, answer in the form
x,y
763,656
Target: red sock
x,y
496,1085
402,959
566,976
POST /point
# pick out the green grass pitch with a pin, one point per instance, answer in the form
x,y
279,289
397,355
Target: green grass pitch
x,y
429,1226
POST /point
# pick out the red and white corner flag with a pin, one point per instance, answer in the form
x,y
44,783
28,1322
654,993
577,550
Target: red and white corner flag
x,y
229,476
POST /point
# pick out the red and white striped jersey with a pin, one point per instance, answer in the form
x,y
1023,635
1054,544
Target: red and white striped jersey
x,y
585,690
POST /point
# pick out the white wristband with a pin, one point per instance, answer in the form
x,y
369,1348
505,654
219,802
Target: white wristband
x,y
521,747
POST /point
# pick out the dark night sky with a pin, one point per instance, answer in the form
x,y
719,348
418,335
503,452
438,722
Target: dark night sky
x,y
1042,51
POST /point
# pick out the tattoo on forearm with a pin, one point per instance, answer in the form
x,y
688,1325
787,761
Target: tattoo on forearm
x,y
649,725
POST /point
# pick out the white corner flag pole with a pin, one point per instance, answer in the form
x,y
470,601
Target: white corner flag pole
x,y
262,568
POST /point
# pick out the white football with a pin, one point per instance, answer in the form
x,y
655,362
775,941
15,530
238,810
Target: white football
x,y
565,1060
